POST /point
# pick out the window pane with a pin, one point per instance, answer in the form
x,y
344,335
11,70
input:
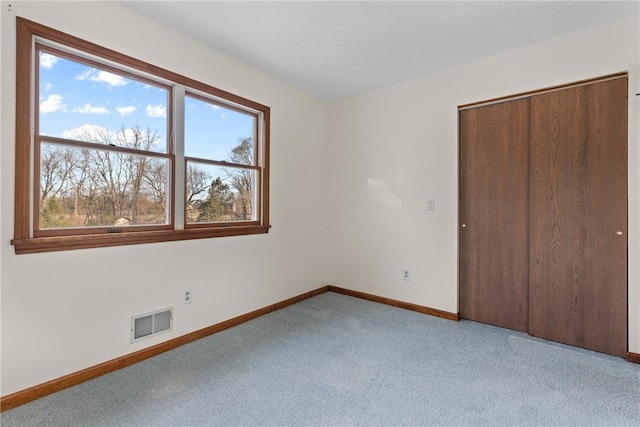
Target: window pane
x,y
84,188
216,133
220,194
81,102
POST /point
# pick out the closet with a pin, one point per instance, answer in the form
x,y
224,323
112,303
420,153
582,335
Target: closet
x,y
543,213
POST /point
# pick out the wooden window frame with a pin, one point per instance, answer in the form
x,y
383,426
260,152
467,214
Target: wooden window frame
x,y
25,241
225,164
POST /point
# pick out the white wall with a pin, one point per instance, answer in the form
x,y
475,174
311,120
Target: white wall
x,y
66,311
398,148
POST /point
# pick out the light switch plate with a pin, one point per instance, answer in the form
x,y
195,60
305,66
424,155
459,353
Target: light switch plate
x,y
431,205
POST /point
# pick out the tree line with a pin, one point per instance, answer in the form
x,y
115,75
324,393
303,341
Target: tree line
x,y
82,187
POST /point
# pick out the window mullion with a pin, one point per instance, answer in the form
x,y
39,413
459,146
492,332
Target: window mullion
x,y
177,141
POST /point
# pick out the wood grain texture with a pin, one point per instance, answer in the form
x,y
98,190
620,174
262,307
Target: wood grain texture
x,y
396,303
22,203
65,243
41,390
494,207
578,266
633,357
530,93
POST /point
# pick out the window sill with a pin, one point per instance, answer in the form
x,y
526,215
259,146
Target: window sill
x,y
66,243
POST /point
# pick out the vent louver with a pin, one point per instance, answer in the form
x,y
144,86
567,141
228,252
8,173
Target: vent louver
x,y
146,325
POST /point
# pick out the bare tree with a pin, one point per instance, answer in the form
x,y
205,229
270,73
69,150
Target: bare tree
x,y
117,184
134,166
59,191
198,183
155,175
53,171
78,165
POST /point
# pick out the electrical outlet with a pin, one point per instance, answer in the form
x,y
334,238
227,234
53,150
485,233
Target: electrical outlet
x,y
187,296
406,275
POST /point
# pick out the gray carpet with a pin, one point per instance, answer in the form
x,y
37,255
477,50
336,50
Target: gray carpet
x,y
341,361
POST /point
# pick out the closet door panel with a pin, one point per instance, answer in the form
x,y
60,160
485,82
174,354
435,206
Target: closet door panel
x,y
578,219
494,210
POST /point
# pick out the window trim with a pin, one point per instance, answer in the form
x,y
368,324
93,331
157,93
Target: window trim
x,y
191,93
24,240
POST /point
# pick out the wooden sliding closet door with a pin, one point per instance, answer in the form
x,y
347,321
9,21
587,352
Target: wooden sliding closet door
x,y
494,214
578,219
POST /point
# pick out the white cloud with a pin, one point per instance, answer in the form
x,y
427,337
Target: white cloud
x,y
100,76
125,111
47,61
89,133
215,107
90,109
47,86
110,79
87,74
52,104
223,116
156,111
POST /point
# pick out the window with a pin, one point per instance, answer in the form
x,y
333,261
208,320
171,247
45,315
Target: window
x,y
101,153
114,151
222,175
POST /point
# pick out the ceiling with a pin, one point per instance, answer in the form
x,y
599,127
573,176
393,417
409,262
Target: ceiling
x,y
336,49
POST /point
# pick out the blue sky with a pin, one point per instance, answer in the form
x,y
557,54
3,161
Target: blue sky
x,y
77,96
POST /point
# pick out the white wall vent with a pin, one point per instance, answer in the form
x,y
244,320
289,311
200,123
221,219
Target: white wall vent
x,y
147,325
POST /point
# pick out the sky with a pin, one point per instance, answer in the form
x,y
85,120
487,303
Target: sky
x,y
74,96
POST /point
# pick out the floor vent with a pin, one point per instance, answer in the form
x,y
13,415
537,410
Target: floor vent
x,y
147,325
